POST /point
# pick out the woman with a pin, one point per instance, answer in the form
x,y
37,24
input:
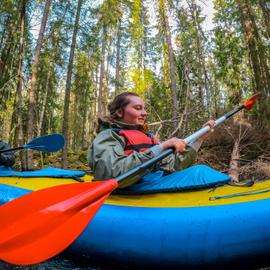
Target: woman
x,y
123,142
7,158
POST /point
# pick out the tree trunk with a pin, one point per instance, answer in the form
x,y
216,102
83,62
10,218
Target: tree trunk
x,y
117,68
101,96
31,124
6,42
251,42
234,163
84,119
91,132
107,71
43,106
258,59
20,86
65,124
167,33
261,52
74,139
266,15
200,53
235,156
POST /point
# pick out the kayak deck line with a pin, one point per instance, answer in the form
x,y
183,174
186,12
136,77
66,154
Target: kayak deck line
x,y
193,198
254,192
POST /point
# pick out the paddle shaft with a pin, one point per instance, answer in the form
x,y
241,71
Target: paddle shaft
x,y
18,148
149,163
12,149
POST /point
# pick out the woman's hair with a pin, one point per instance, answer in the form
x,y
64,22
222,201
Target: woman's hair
x,y
119,103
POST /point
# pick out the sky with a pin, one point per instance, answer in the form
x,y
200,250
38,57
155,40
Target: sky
x,y
208,10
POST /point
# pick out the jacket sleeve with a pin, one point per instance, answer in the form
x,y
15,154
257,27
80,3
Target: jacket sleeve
x,y
180,161
8,158
107,160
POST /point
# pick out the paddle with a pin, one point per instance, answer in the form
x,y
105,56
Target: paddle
x,y
41,224
47,143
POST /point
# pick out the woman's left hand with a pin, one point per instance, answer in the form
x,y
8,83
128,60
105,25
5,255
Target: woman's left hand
x,y
211,123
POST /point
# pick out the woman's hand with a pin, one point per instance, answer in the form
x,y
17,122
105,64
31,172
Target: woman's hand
x,y
178,144
211,123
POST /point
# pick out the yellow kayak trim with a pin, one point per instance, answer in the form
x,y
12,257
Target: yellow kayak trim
x,y
158,200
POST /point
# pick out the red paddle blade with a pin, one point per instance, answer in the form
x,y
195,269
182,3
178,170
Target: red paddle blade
x,y
249,103
41,224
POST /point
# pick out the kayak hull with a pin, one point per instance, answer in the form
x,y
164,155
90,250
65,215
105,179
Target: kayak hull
x,y
187,237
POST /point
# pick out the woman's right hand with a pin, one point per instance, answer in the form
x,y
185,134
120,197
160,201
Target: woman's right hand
x,y
178,144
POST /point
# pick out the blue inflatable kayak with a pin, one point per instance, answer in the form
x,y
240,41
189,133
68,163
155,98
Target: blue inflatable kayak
x,y
210,226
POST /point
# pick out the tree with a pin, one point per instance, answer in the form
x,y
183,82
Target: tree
x,y
20,84
199,37
266,15
32,94
257,53
9,38
162,8
65,125
102,93
118,48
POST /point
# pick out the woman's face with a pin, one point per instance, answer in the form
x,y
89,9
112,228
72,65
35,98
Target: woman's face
x,y
134,113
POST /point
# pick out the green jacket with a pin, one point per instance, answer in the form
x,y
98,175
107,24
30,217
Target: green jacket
x,y
7,158
107,160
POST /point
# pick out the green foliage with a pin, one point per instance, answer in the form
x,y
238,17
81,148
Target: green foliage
x,y
232,68
143,81
83,98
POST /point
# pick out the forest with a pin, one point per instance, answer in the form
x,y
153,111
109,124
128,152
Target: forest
x,y
62,62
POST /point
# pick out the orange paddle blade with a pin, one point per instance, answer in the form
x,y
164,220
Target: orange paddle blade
x,y
249,103
41,224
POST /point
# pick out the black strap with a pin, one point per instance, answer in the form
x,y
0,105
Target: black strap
x,y
78,179
137,147
248,183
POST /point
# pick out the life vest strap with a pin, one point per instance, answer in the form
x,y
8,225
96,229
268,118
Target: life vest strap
x,y
137,147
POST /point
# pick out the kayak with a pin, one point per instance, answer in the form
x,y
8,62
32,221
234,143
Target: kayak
x,y
220,226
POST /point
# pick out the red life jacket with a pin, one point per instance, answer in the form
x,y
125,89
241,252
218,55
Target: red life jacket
x,y
137,140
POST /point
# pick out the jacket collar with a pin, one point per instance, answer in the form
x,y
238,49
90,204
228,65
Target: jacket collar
x,y
105,123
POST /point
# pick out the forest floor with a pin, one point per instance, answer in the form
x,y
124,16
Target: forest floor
x,y
254,152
